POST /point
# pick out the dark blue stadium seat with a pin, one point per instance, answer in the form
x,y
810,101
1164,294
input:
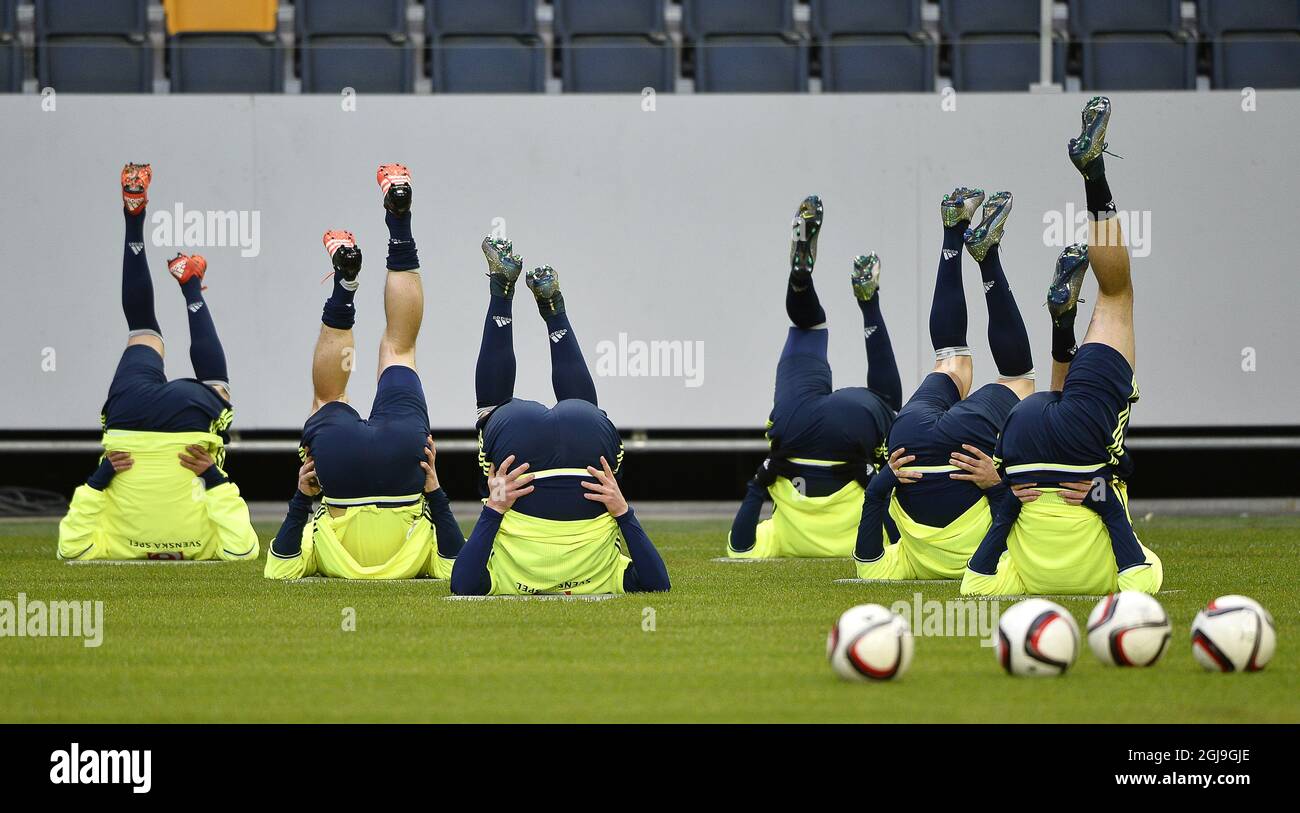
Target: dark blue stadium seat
x,y
501,64
81,17
873,47
11,65
226,63
702,18
959,18
614,46
484,46
8,17
367,64
350,18
745,46
94,64
1002,62
93,46
364,46
995,44
753,63
1133,45
1252,44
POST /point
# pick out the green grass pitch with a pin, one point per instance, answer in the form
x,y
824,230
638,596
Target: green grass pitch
x,y
217,642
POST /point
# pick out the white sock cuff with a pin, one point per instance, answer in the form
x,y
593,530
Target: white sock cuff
x,y
144,332
950,352
1029,376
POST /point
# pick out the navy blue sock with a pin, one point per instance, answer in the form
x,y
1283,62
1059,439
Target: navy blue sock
x,y
339,311
801,302
494,375
137,288
401,245
948,309
1064,345
570,377
1008,338
1096,189
882,369
206,355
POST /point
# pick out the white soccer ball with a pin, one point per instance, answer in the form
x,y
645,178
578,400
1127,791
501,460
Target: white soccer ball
x,y
1128,629
1233,634
869,642
1037,637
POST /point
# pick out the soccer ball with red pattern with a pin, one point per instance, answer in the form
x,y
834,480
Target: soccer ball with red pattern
x,y
869,642
1233,634
1128,629
1037,637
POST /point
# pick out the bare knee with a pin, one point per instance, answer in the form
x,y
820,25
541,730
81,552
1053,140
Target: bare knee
x,y
1022,387
960,369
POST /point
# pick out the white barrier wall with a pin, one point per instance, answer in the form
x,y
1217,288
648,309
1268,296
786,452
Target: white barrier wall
x,y
668,225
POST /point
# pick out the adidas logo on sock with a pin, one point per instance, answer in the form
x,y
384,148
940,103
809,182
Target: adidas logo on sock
x,y
559,334
136,248
988,286
502,321
195,307
867,331
949,253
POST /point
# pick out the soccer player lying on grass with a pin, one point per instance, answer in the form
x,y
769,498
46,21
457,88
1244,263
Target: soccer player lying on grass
x,y
382,514
555,523
159,491
825,443
944,431
1063,451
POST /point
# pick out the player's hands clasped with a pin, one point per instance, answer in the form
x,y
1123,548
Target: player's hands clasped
x,y
196,458
978,467
307,481
505,485
605,490
897,460
430,471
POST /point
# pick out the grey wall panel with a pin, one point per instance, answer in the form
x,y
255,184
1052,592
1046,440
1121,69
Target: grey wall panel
x,y
666,226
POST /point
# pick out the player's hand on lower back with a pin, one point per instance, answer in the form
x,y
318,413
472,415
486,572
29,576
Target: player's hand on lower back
x,y
196,458
430,470
120,461
605,490
505,485
1076,493
976,467
897,460
308,483
1026,492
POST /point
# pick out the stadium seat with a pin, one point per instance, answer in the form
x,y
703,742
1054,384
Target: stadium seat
x,y
610,46
11,65
1133,45
363,46
484,46
1255,44
746,46
229,16
995,44
93,46
873,47
226,63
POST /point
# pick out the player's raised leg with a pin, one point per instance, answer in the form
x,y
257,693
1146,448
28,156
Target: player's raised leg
x,y
333,359
206,353
1112,316
948,307
1063,307
570,377
803,370
1008,338
882,368
137,288
494,373
403,291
